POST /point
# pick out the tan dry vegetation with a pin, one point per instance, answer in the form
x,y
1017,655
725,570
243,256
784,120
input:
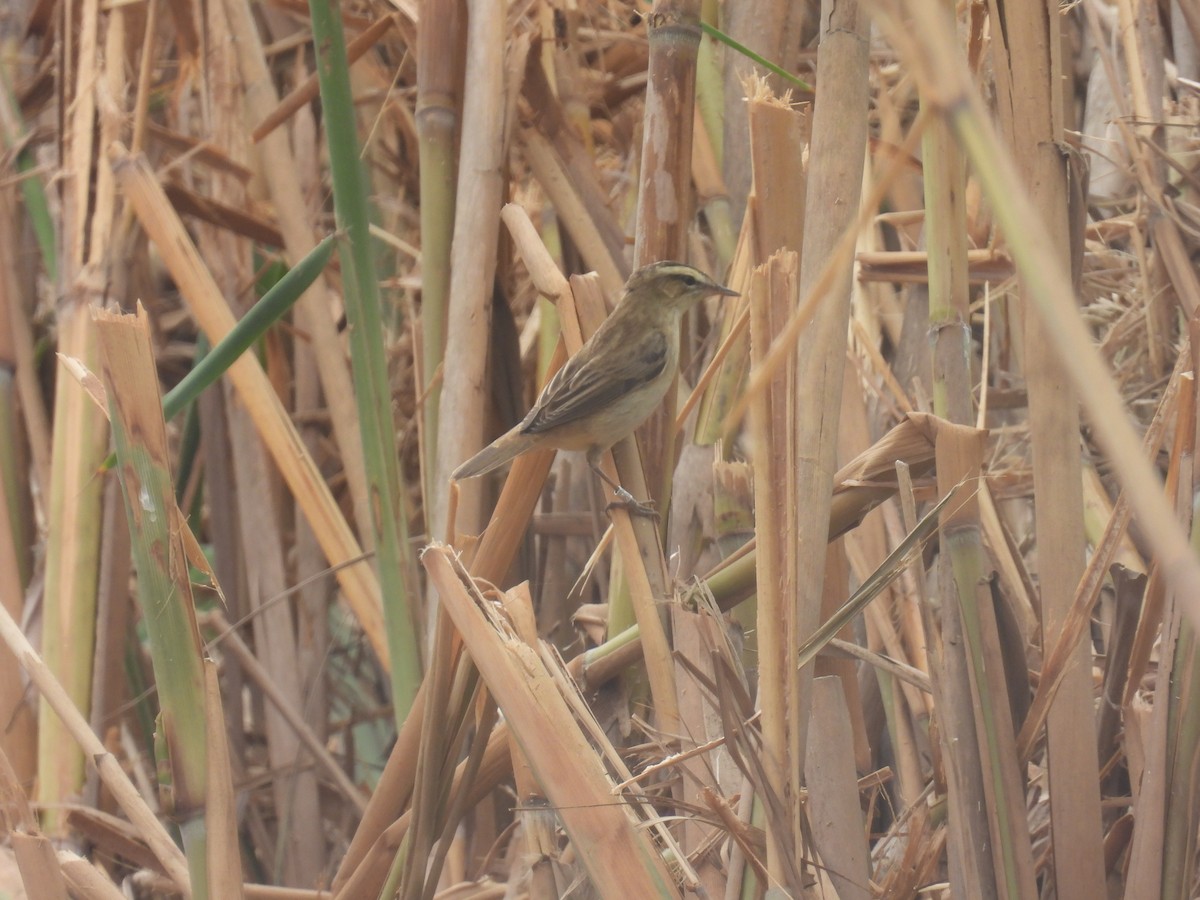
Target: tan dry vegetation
x,y
965,259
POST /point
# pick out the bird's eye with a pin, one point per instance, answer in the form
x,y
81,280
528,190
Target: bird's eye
x,y
689,280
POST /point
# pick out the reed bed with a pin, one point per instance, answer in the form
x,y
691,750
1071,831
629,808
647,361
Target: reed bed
x,y
918,616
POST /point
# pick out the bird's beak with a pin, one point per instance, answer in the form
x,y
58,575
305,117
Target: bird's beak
x,y
724,291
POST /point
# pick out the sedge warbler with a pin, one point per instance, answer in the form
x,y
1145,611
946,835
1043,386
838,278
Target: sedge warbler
x,y
615,381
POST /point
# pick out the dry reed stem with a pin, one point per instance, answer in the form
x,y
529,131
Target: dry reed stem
x,y
556,749
581,100
224,849
949,85
109,769
834,189
570,210
38,864
261,402
277,165
1029,69
262,678
839,834
80,435
87,879
473,263
772,289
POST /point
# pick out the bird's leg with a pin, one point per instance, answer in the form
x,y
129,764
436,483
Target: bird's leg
x,y
624,498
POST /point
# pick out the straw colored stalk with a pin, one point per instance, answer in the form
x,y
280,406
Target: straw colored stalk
x,y
80,433
87,879
294,790
1141,37
19,740
1181,816
544,114
839,136
570,209
389,519
557,749
664,207
664,193
442,735
778,135
1176,398
929,50
265,572
440,37
106,765
959,460
274,425
1183,787
1029,72
839,832
19,352
35,859
710,87
581,310
1155,740
164,588
712,198
1057,657
473,264
971,855
277,165
369,873
773,30
385,823
772,294
861,551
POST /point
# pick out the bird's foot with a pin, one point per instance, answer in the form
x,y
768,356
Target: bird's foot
x,y
632,505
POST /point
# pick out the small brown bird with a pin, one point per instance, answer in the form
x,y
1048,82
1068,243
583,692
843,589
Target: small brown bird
x,y
615,381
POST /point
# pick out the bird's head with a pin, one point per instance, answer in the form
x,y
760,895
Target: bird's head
x,y
673,284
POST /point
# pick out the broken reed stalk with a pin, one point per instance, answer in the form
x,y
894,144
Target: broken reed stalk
x,y
771,295
837,152
929,51
556,749
164,588
272,421
959,460
1028,65
664,212
80,432
109,768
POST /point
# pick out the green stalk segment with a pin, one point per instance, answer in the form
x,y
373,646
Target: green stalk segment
x,y
274,303
397,568
265,313
717,34
164,591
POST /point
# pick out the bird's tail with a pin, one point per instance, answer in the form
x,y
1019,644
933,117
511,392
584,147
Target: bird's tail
x,y
494,455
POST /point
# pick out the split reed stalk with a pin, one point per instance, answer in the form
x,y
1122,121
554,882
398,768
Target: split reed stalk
x,y
1032,116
